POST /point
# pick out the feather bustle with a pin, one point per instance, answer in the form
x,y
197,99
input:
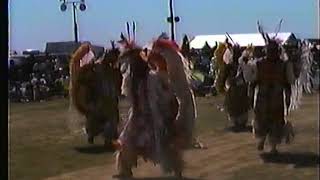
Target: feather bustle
x,y
76,91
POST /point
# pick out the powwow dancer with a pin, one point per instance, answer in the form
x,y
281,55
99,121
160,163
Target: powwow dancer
x,y
305,77
247,62
220,68
302,61
162,110
273,77
294,55
237,99
93,93
111,59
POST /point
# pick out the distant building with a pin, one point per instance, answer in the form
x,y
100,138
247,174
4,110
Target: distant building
x,y
31,52
314,41
13,52
67,48
242,39
17,60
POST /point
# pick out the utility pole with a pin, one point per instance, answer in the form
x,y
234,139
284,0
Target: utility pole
x,y
318,18
82,7
172,20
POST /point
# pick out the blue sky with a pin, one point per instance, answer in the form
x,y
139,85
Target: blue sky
x,y
35,22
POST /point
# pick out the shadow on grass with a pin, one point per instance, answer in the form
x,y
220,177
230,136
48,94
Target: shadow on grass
x,y
93,149
247,129
164,178
299,160
158,178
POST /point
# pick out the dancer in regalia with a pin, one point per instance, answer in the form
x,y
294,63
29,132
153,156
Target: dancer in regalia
x,y
273,77
236,97
162,108
93,93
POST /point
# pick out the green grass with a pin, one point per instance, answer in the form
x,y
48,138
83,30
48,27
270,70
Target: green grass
x,y
41,145
274,172
210,119
38,148
304,150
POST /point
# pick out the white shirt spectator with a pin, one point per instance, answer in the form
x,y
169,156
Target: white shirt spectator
x,y
43,81
34,81
23,88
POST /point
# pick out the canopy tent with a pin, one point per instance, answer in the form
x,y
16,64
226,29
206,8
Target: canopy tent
x,y
242,39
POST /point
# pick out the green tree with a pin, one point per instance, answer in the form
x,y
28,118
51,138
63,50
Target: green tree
x,y
185,48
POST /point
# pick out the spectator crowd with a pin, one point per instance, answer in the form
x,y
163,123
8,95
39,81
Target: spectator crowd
x,y
35,80
42,79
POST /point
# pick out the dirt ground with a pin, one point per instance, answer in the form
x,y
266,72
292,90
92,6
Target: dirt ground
x,y
42,148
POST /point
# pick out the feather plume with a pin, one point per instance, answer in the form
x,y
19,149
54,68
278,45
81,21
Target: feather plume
x,y
76,91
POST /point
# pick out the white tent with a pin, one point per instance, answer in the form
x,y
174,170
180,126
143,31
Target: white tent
x,y
242,39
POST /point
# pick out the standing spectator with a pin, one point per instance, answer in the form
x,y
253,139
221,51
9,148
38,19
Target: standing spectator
x,y
59,86
43,67
20,75
28,91
23,90
35,68
13,92
12,71
35,87
50,82
44,89
49,66
66,82
56,65
19,94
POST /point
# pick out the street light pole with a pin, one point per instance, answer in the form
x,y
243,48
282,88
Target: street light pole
x,y
172,20
318,18
75,25
74,3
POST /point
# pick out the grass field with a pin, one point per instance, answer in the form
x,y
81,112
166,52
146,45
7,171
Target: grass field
x,y
42,146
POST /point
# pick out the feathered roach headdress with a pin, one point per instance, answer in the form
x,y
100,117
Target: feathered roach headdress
x,y
166,43
271,43
248,52
128,43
